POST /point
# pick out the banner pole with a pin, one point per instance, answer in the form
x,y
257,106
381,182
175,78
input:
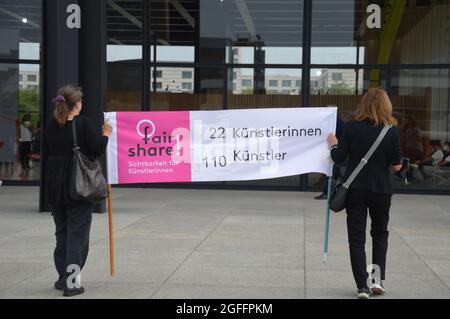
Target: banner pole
x,y
111,238
327,220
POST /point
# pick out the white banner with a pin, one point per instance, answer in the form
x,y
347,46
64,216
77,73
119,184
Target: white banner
x,y
226,145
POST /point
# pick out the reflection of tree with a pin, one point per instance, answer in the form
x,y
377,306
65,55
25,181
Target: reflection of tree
x,y
29,103
29,100
340,88
248,90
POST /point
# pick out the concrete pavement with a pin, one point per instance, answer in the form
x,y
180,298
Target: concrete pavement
x,y
187,243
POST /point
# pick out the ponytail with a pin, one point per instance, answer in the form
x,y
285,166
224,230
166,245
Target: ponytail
x,y
61,113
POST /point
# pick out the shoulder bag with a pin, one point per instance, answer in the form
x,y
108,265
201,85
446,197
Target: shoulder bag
x,y
87,181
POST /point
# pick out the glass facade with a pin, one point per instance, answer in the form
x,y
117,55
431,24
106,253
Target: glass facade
x,y
212,54
20,34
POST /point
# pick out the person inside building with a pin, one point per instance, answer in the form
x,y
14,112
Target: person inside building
x,y
371,191
446,160
72,218
436,156
25,139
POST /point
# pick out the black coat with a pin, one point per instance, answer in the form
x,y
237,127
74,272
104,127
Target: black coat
x,y
356,139
59,144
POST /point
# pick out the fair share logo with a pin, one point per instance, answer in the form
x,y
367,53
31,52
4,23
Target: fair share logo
x,y
146,134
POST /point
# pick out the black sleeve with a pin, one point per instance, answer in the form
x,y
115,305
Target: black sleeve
x,y
95,141
339,127
340,153
396,154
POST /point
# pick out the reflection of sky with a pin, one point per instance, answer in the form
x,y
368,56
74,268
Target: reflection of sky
x,y
274,55
29,67
29,51
164,53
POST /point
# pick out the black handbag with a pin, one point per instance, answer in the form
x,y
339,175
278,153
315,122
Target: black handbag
x,y
338,196
87,181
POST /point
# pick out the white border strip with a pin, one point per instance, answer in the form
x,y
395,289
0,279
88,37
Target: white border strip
x,y
111,151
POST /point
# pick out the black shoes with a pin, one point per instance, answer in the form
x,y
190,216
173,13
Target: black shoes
x,y
70,292
60,284
321,196
377,289
363,293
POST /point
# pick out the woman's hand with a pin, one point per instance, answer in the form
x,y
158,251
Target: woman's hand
x,y
107,129
332,140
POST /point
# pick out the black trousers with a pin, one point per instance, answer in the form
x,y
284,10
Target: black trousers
x,y
378,205
73,225
25,150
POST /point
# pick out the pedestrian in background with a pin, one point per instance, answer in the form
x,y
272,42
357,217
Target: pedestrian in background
x,y
26,137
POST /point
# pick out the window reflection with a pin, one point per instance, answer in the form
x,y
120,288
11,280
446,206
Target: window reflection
x,y
264,31
173,80
423,107
413,33
124,55
124,30
276,88
173,30
19,122
20,29
184,88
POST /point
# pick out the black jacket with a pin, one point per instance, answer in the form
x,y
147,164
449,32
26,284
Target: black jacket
x,y
59,144
356,139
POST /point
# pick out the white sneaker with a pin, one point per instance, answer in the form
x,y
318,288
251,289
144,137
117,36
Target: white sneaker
x,y
377,289
363,293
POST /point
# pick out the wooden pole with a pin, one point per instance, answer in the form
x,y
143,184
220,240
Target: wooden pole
x,y
111,238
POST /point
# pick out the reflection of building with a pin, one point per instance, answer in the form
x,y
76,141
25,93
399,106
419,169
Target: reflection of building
x,y
29,80
173,80
274,83
323,81
336,81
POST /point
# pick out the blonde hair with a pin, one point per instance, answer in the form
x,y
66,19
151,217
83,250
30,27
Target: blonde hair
x,y
68,97
376,107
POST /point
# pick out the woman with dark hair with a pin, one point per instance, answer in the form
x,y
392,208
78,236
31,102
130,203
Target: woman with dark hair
x,y
371,191
72,218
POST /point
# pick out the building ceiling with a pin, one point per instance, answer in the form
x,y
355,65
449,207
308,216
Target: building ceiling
x,y
277,22
12,12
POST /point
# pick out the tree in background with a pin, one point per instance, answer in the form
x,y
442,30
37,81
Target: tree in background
x,y
29,103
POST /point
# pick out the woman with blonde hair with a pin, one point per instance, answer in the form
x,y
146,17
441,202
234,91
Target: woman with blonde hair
x,y
371,191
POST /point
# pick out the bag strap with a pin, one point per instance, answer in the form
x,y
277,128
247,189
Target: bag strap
x,y
74,133
368,155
